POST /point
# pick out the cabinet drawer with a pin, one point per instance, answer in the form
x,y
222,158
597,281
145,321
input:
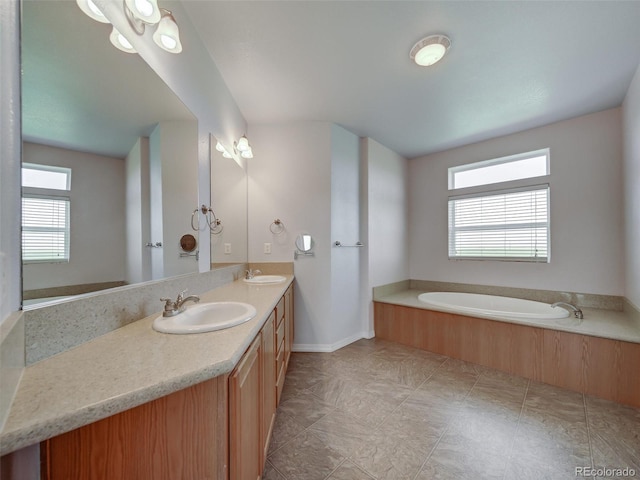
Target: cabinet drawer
x,y
280,336
280,310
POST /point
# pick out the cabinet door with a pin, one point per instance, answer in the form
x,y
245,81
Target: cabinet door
x,y
268,381
179,436
245,415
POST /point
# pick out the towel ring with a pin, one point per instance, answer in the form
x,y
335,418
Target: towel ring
x,y
214,223
276,227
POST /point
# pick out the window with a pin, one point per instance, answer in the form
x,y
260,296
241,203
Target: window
x,y
515,167
45,176
45,213
505,224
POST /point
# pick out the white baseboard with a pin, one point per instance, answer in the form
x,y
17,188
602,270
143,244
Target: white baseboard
x,y
328,348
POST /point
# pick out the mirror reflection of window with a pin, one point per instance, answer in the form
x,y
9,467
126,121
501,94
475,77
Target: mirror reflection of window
x,y
45,213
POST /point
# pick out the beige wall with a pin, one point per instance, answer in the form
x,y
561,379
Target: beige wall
x,y
97,248
586,209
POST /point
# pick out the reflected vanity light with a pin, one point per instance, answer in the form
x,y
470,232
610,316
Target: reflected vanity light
x,y
221,149
243,144
140,13
241,147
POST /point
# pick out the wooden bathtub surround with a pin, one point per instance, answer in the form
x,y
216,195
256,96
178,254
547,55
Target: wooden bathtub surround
x,y
219,429
605,368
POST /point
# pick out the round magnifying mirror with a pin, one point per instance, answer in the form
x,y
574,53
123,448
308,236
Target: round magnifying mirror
x,y
188,243
304,242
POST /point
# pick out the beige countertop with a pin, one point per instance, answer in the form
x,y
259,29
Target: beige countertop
x,y
128,367
610,324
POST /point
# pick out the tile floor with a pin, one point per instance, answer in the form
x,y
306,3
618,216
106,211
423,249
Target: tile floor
x,y
380,410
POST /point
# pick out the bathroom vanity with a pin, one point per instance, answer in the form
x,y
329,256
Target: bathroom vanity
x,y
140,404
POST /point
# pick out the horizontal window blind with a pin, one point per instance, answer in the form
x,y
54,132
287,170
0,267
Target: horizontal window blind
x,y
45,229
509,225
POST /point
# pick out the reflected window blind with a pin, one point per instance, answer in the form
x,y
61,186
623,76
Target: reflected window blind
x,y
506,225
45,229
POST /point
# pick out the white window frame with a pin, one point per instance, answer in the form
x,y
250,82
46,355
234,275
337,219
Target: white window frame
x,y
529,184
51,194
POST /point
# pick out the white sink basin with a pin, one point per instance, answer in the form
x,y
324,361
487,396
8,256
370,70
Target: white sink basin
x,y
206,317
265,279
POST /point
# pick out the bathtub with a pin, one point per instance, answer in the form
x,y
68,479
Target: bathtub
x,y
487,306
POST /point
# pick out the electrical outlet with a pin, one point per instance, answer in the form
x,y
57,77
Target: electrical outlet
x,y
227,248
267,248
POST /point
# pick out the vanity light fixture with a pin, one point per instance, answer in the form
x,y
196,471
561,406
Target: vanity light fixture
x,y
91,10
167,34
145,12
140,13
120,42
222,150
430,50
243,147
243,144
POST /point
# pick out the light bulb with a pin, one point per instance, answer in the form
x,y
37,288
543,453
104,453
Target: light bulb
x,y
248,153
243,144
167,34
146,11
430,50
430,54
91,10
120,42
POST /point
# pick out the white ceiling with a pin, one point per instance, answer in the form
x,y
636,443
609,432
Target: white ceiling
x,y
512,65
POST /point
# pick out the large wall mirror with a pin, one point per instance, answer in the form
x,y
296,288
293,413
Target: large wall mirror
x,y
229,206
130,146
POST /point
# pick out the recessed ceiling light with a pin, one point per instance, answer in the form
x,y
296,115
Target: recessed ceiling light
x,y
430,50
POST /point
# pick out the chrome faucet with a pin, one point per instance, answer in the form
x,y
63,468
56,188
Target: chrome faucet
x,y
251,273
576,311
172,308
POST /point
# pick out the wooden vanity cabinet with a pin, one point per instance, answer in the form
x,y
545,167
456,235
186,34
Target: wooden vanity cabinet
x,y
216,430
253,397
181,435
245,415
